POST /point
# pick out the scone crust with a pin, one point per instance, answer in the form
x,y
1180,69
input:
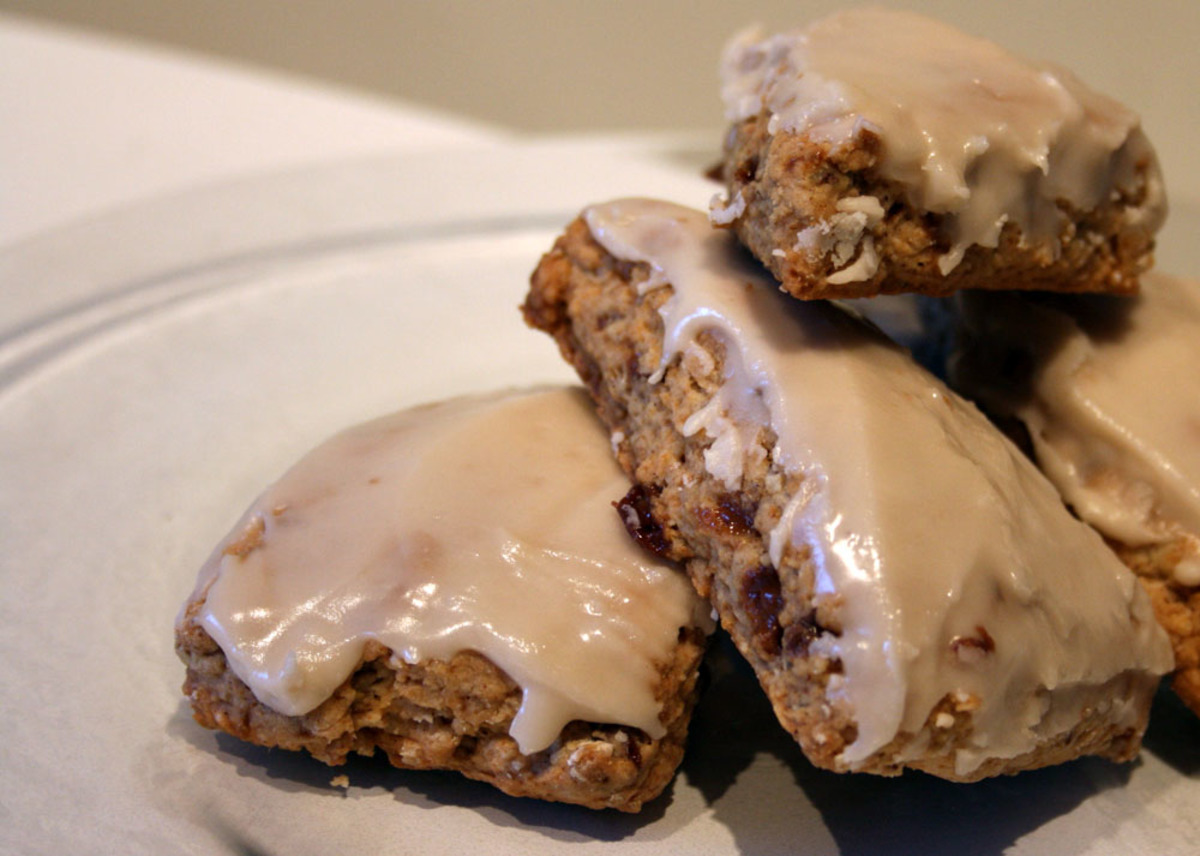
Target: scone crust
x,y
589,302
452,715
788,182
1176,606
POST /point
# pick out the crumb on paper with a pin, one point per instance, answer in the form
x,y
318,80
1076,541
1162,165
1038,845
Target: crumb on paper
x,y
342,781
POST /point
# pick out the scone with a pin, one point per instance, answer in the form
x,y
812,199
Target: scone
x,y
877,151
452,585
910,591
1108,393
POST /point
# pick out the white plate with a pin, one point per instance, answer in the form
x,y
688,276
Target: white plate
x,y
160,366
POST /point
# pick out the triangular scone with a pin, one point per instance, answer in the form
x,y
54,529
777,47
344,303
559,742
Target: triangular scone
x,y
878,151
909,589
451,586
1108,393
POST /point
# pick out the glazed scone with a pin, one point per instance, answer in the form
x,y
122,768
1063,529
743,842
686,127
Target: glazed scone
x,y
877,151
1108,393
909,589
451,585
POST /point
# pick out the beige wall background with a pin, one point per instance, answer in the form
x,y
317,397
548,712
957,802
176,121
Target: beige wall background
x,y
544,66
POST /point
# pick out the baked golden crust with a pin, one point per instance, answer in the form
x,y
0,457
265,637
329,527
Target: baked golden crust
x,y
789,183
452,715
589,302
1176,606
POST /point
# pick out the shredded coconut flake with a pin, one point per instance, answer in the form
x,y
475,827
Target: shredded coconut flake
x,y
722,211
